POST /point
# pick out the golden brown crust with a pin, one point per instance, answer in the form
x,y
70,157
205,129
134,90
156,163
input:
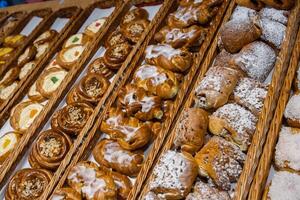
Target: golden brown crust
x,y
27,55
73,97
7,145
134,30
68,57
93,28
66,193
14,41
98,66
47,36
115,38
281,5
34,95
116,55
10,76
133,15
77,39
123,185
253,4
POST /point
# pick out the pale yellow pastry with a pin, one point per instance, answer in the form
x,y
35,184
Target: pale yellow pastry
x,y
94,27
6,53
6,91
68,57
34,95
42,49
7,144
47,36
76,39
26,69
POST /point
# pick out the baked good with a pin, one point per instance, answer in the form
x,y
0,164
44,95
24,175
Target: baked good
x,y
28,184
6,53
10,76
14,41
42,49
130,132
98,66
156,80
173,176
47,36
139,103
116,37
253,4
220,161
68,57
66,193
26,69
282,4
234,123
49,81
123,184
191,130
94,27
53,64
8,142
49,149
73,97
27,56
11,22
155,128
134,29
24,114
116,55
150,196
77,39
243,13
223,59
34,95
215,88
133,15
291,113
165,56
6,91
280,16
71,119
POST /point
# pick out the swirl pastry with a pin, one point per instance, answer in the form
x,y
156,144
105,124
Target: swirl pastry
x,y
156,80
115,38
77,39
94,27
8,142
23,115
42,49
6,53
14,41
10,76
140,104
6,91
279,4
123,185
98,66
28,184
253,4
27,56
68,57
133,15
49,150
26,69
291,113
72,118
47,36
134,30
110,154
66,193
165,56
34,95
116,55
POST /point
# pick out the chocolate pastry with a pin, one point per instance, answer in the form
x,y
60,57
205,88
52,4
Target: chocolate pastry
x,y
14,41
280,4
133,15
47,36
98,66
116,55
10,76
92,29
69,57
8,143
77,39
66,193
115,38
27,56
134,30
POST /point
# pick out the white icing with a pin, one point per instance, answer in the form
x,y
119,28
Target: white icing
x,y
120,156
151,72
13,141
275,15
70,42
26,69
7,91
25,116
178,34
243,13
292,110
147,103
166,50
96,25
72,54
129,131
186,14
49,85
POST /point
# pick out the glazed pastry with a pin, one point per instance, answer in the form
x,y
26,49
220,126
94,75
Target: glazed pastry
x,y
77,39
10,76
66,193
133,15
71,119
156,80
49,149
110,154
6,91
282,4
155,128
234,123
47,36
68,57
215,88
280,16
253,4
34,95
131,133
140,104
292,111
116,55
28,184
26,69
24,114
243,13
221,161
151,196
191,130
8,142
165,56
53,64
94,27
6,53
49,81
98,66
173,176
134,30
27,56
123,184
115,38
14,41
42,49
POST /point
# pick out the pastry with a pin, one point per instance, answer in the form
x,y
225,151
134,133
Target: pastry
x,y
280,16
130,132
73,97
110,154
291,113
155,128
28,184
142,3
94,27
10,76
133,15
47,36
42,49
243,13
253,4
34,95
279,4
49,81
173,176
76,39
220,161
123,185
24,114
116,55
6,91
98,66
156,80
134,30
27,56
115,38
191,130
235,123
6,53
165,56
190,2
14,41
66,193
216,87
8,142
223,60
49,149
70,56
53,64
151,196
26,69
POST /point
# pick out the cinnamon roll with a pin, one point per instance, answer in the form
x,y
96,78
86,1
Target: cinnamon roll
x,y
27,56
98,66
14,41
47,36
133,15
66,193
8,142
115,38
70,56
134,30
116,55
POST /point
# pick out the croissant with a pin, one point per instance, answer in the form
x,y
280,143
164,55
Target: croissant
x,y
133,15
253,4
280,4
66,193
134,30
116,55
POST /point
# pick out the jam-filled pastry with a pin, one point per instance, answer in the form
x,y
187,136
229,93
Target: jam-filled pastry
x,y
292,111
6,91
53,64
115,38
110,154
49,150
207,191
10,76
279,4
156,80
47,36
253,4
250,94
174,175
27,56
130,132
123,184
133,15
49,81
139,103
6,53
257,59
77,39
243,13
280,16
42,50
68,57
191,130
165,56
34,95
235,123
8,142
66,193
98,66
72,118
216,87
134,30
28,184
116,55
221,161
14,41
87,179
95,26
26,69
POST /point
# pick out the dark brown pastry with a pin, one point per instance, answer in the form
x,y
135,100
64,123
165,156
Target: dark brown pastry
x,y
116,55
134,30
115,38
98,66
133,15
279,4
14,41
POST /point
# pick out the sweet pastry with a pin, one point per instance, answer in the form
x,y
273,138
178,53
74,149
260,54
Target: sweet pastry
x,y
73,97
11,22
14,41
24,114
243,13
42,49
131,133
257,59
49,150
66,193
291,113
281,5
110,154
53,64
123,184
173,176
28,184
151,196
280,16
98,66
6,91
77,39
134,29
216,87
220,161
156,80
165,56
26,69
191,130
47,36
10,76
142,3
234,123
8,142
6,53
68,57
116,55
115,38
223,59
34,95
155,128
133,15
27,56
139,103
71,119
253,4
94,27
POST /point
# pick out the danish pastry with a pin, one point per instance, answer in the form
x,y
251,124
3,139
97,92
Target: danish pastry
x,y
116,55
191,130
42,49
291,113
253,4
8,142
66,193
221,161
34,95
6,53
26,69
10,76
68,57
98,66
174,175
47,36
94,27
234,123
6,91
73,97
134,30
280,16
53,64
123,184
280,4
14,41
156,80
27,56
77,39
133,15
165,56
115,38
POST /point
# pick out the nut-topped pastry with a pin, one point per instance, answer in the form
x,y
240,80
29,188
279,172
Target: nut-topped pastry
x,y
134,30
68,57
133,15
95,26
8,142
115,38
98,66
116,55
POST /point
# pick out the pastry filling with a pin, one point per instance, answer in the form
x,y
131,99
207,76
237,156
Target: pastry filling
x,y
136,29
26,69
7,91
50,147
41,49
4,51
74,39
28,115
96,25
151,72
53,80
32,187
72,54
7,142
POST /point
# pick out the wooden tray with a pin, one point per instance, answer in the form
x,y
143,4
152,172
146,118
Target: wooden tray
x,y
94,134
267,112
264,165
